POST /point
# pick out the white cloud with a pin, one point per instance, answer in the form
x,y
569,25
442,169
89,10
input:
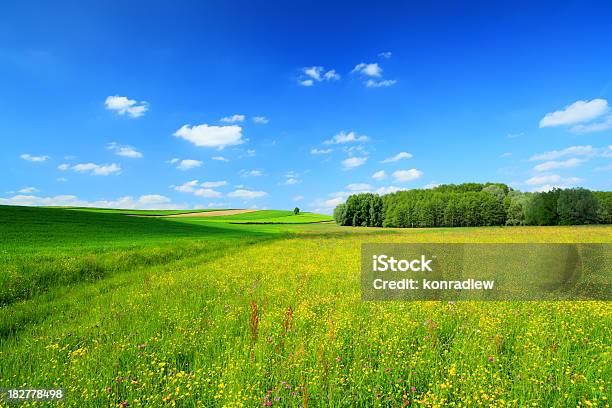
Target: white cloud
x,y
125,151
579,111
144,202
313,72
28,190
370,83
97,169
233,119
373,69
247,194
593,127
291,181
387,190
431,185
402,176
29,157
397,157
327,205
353,162
545,179
320,151
552,165
211,136
194,186
207,193
561,183
124,106
331,75
358,187
349,137
250,173
174,160
515,135
210,184
153,199
505,155
385,55
63,167
318,74
298,198
261,120
62,179
569,151
250,152
220,158
188,164
379,175
188,187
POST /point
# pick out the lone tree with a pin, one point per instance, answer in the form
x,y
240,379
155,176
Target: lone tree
x,y
296,211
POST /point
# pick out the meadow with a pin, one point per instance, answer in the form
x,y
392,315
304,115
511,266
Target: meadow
x,y
264,309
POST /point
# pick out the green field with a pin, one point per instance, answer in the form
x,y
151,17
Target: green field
x,y
216,311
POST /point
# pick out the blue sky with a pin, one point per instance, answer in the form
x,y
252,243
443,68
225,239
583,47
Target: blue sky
x,y
275,104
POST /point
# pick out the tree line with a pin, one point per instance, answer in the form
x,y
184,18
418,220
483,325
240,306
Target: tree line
x,y
474,205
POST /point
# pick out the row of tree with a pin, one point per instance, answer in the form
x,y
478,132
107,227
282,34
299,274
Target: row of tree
x,y
474,204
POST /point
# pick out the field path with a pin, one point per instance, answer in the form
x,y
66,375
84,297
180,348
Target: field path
x,y
211,213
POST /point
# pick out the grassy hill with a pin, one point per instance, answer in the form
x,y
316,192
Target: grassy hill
x,y
188,311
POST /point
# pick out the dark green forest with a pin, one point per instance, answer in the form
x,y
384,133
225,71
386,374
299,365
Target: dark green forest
x,y
474,205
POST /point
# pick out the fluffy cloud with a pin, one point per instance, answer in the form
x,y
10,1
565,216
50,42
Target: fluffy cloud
x,y
261,120
373,70
124,106
577,112
318,74
211,136
31,158
350,137
233,119
545,179
250,173
320,151
553,164
385,55
204,189
144,202
353,162
397,157
247,194
188,164
125,151
28,190
210,184
402,176
220,158
207,193
548,182
593,127
569,151
97,169
359,187
385,83
63,167
379,175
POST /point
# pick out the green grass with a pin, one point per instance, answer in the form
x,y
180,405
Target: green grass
x,y
202,312
135,212
267,217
